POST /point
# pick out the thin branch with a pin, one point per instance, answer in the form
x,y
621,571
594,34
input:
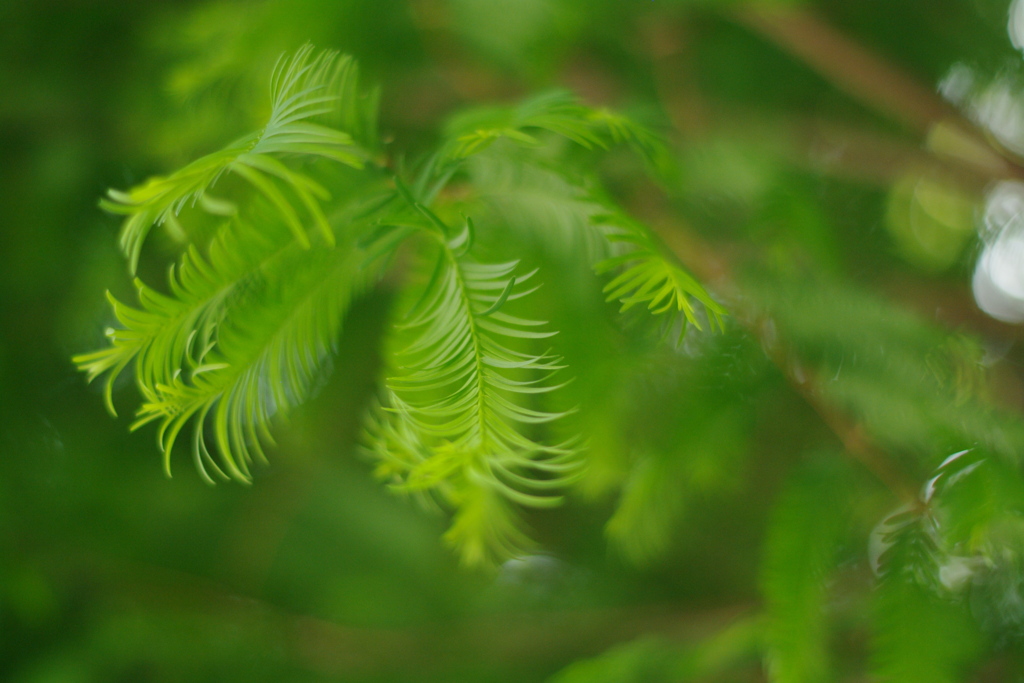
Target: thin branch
x,y
710,266
841,150
855,70
849,66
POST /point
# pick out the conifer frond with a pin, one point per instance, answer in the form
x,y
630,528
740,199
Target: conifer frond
x,y
543,204
303,88
167,332
572,219
267,358
243,336
456,420
624,130
905,379
556,111
920,638
927,552
653,278
799,556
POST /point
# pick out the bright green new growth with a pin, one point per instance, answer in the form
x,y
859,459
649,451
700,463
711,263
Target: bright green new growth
x,y
195,356
301,89
253,313
652,279
459,388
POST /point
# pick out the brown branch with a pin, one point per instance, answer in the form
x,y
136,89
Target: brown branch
x,y
849,66
955,152
710,266
857,443
855,70
841,150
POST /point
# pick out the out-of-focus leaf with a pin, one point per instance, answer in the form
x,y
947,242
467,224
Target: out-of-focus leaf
x,y
807,528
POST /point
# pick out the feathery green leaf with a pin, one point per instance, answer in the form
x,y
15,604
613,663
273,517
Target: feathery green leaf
x,y
799,556
541,203
267,357
243,336
555,111
168,333
456,419
651,277
303,88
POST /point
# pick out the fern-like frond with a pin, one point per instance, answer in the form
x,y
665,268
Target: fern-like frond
x,y
922,631
919,637
303,88
456,420
906,380
650,276
168,334
557,112
800,554
242,336
267,358
544,205
624,130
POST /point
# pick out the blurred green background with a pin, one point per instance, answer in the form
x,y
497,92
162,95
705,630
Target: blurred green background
x,y
795,155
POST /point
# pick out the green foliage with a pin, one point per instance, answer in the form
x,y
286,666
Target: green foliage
x,y
456,403
556,112
692,428
266,359
301,90
194,352
249,326
921,637
800,555
545,205
651,277
492,304
917,388
239,338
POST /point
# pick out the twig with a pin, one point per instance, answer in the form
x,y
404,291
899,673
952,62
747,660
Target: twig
x,y
880,86
709,265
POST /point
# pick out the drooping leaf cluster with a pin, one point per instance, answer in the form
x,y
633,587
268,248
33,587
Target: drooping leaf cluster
x,y
484,410
305,216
